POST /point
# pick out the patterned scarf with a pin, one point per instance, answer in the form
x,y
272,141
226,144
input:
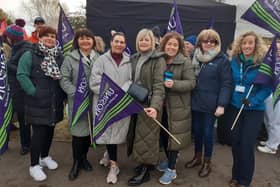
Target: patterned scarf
x,y
49,65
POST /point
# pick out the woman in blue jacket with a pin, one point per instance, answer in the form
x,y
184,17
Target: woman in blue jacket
x,y
210,97
248,52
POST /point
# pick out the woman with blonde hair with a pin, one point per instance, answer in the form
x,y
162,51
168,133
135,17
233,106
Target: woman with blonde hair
x,y
248,53
210,96
148,66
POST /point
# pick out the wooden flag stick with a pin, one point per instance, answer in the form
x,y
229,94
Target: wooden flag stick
x,y
89,127
171,135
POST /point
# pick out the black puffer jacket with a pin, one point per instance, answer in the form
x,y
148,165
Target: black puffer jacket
x,y
46,106
16,91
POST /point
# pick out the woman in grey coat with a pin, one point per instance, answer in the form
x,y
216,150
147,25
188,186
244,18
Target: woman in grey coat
x,y
83,47
115,64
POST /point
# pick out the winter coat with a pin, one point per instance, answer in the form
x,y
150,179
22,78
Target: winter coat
x,y
259,92
70,72
44,97
121,75
214,85
178,102
16,91
143,137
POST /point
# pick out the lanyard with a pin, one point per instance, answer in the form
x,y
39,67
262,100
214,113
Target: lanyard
x,y
241,72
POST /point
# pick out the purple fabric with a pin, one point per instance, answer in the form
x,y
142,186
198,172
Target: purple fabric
x,y
110,96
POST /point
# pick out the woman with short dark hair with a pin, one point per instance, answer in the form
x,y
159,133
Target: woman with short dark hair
x,y
38,74
83,49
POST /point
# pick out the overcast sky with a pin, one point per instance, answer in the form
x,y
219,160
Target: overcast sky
x,y
13,7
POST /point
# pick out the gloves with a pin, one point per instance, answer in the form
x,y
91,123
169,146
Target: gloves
x,y
246,102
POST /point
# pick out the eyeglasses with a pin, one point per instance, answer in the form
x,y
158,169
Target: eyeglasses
x,y
209,41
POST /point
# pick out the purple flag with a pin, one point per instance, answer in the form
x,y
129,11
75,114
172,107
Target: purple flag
x,y
81,99
174,23
211,23
5,104
65,33
269,71
265,14
113,105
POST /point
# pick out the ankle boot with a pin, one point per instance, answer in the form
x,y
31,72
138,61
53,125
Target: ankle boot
x,y
85,164
205,170
196,161
74,171
141,177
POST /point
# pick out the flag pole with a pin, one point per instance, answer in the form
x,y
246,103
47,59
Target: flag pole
x,y
242,107
90,133
171,135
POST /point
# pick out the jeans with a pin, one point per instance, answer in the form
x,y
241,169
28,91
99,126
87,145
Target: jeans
x,y
272,123
203,124
244,137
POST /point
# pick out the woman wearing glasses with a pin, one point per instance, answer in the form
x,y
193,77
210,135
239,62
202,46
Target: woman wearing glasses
x,y
210,96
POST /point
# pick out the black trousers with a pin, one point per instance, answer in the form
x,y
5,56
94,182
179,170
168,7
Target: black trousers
x,y
80,146
24,130
40,142
112,150
244,137
171,155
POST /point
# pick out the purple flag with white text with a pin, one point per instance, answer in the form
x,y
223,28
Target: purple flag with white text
x,y
269,71
113,105
65,33
5,104
81,99
265,14
174,23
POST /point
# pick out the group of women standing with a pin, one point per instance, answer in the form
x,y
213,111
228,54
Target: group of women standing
x,y
177,96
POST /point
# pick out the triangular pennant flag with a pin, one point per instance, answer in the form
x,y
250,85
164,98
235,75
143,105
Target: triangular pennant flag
x,y
113,105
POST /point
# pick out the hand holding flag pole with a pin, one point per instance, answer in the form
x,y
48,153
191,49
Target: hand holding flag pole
x,y
241,109
114,105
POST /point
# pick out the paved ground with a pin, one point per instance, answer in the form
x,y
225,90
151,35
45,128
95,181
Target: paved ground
x,y
14,169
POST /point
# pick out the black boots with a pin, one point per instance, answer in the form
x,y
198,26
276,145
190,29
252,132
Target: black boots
x,y
84,164
196,161
141,177
75,170
205,170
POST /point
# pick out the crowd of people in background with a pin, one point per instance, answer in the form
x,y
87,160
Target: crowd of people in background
x,y
191,84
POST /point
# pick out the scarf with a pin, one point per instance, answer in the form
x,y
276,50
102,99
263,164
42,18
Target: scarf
x,y
49,65
204,58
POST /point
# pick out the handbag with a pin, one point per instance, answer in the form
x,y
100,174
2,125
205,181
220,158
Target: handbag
x,y
138,92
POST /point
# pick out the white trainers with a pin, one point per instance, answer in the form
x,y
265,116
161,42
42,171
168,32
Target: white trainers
x,y
112,176
266,149
49,163
105,161
37,173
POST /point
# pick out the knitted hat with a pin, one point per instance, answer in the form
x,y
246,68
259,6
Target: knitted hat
x,y
20,22
156,31
39,20
191,39
14,32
